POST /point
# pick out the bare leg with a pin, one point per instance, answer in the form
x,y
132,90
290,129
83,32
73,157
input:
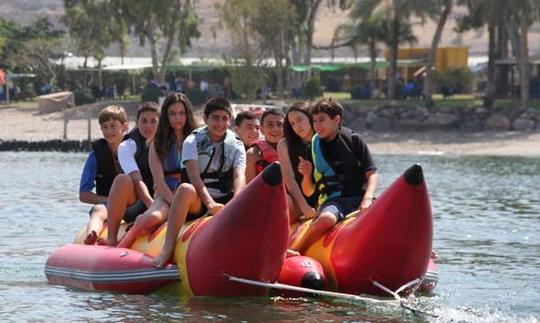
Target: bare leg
x,y
97,216
122,195
324,222
294,210
147,222
186,199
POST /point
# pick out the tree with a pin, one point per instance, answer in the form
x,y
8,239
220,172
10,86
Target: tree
x,y
399,13
30,48
370,31
160,24
259,29
94,27
444,11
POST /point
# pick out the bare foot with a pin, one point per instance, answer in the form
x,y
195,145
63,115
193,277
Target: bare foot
x,y
106,242
434,254
291,253
162,258
91,238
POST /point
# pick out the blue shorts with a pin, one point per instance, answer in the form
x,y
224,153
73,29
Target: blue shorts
x,y
340,206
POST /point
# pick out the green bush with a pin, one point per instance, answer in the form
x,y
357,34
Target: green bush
x,y
84,96
312,88
460,80
196,96
150,93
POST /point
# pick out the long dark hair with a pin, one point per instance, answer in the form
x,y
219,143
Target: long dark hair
x,y
165,134
294,142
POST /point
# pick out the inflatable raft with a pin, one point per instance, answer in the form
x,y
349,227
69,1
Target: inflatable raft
x,y
387,246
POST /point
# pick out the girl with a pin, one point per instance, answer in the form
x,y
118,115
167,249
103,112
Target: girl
x,y
294,152
175,124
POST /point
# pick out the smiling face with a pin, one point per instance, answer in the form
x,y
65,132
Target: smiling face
x,y
300,124
218,122
113,131
325,126
147,123
272,128
177,116
248,131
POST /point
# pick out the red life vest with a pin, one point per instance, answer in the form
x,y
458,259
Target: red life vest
x,y
269,154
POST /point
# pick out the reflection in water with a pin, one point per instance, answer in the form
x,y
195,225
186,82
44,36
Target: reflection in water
x,y
486,217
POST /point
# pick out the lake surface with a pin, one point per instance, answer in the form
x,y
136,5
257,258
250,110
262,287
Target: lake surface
x,y
486,227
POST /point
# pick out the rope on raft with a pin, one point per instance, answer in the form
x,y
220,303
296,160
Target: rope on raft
x,y
401,301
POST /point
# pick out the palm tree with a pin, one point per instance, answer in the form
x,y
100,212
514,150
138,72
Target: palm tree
x,y
370,31
446,8
399,13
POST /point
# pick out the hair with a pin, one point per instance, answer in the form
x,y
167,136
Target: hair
x,y
292,139
273,112
111,113
244,115
217,104
165,134
148,106
329,106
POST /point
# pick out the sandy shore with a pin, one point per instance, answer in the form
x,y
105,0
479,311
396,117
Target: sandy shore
x,y
29,124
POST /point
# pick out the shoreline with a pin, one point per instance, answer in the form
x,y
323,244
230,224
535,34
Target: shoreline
x,y
29,125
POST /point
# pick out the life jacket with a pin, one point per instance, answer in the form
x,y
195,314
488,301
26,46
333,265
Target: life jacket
x,y
342,177
269,154
107,167
141,157
223,178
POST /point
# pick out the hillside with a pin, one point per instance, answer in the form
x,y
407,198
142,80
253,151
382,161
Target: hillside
x,y
25,11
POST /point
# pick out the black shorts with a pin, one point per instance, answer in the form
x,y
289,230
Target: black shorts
x,y
204,210
132,211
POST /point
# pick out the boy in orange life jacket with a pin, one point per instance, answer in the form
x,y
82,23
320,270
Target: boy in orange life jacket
x,y
343,168
102,165
263,152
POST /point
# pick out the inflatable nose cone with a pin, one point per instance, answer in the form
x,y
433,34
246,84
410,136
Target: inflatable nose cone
x,y
272,174
247,238
390,242
414,175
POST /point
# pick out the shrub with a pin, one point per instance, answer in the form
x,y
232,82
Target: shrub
x,y
84,96
459,80
196,96
150,93
312,88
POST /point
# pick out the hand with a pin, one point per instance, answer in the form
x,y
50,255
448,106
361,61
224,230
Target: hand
x,y
305,167
366,203
214,208
307,213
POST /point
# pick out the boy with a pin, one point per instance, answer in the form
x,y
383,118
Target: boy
x,y
263,152
343,167
246,126
102,166
214,162
132,190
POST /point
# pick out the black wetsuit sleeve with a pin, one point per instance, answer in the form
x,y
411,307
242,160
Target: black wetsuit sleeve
x,y
363,154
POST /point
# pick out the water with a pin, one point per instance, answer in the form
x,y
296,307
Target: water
x,y
486,215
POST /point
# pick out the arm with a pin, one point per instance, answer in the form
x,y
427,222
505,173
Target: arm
x,y
156,168
371,178
126,157
193,171
87,184
290,182
252,157
306,169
